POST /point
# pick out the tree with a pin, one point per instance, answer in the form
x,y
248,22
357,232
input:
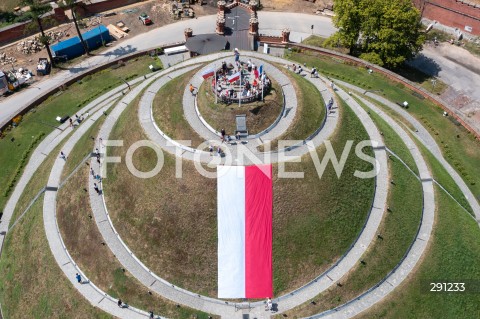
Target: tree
x,y
348,21
385,32
38,9
72,5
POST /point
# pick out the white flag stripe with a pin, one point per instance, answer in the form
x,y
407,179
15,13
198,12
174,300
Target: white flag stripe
x,y
231,231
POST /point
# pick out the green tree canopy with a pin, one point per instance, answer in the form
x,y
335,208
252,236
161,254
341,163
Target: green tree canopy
x,y
385,32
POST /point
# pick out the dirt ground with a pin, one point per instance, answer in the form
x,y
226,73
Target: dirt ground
x,y
304,6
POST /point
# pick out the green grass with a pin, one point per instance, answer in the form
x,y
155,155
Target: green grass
x,y
459,147
443,178
315,41
168,110
451,257
439,174
30,279
397,230
41,119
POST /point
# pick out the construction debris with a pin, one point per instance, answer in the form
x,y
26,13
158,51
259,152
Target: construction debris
x,y
33,45
5,59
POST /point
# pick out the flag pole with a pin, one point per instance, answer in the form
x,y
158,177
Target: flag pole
x,y
215,77
263,86
241,91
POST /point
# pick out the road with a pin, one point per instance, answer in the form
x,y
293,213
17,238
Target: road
x,y
460,70
448,70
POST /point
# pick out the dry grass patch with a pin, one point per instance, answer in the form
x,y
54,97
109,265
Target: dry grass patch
x,y
84,242
168,110
260,115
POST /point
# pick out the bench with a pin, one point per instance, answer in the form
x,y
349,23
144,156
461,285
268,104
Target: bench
x,y
174,50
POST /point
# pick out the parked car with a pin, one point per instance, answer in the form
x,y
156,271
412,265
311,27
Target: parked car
x,y
145,19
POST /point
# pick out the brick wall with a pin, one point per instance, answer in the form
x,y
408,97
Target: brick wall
x,y
97,6
452,13
269,39
21,30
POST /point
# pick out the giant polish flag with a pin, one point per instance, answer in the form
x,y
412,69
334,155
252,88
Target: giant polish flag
x,y
244,195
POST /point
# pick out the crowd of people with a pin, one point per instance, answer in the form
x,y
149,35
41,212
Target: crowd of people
x,y
251,85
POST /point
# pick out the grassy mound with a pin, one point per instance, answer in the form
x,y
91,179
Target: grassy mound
x,y
170,223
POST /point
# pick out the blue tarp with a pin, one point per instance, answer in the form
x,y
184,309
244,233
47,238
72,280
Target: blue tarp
x,y
71,48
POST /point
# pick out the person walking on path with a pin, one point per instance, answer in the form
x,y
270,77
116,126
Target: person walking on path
x,y
192,89
62,155
98,158
237,55
210,149
95,187
120,303
223,134
71,122
79,278
92,171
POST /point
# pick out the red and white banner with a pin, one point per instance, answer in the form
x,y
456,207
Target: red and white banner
x,y
234,77
208,73
245,200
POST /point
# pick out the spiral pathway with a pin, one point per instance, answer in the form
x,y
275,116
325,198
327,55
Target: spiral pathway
x,y
146,88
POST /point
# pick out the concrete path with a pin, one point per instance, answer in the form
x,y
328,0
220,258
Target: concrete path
x,y
416,251
89,291
429,142
46,146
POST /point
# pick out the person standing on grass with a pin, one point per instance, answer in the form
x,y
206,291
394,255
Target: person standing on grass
x,y
79,278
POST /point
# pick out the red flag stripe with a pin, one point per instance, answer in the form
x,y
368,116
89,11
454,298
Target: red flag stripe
x,y
258,231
